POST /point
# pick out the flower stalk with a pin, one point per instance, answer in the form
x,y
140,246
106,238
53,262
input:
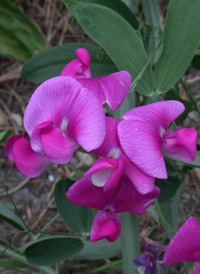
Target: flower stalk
x,y
130,242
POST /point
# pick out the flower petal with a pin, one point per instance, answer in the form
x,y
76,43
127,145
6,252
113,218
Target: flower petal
x,y
161,114
124,198
111,89
106,173
51,101
78,68
111,146
84,193
29,162
128,199
9,145
181,144
106,225
86,122
185,245
62,100
142,144
57,146
142,182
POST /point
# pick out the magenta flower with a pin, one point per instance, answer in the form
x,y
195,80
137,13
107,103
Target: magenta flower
x,y
111,89
123,198
144,137
107,171
60,116
185,245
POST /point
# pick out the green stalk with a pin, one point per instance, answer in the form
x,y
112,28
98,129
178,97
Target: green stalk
x,y
22,259
130,242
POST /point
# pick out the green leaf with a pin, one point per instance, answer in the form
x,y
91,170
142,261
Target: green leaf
x,y
120,7
78,218
152,19
19,37
9,263
5,134
116,36
168,188
180,41
100,250
50,62
52,250
10,217
196,61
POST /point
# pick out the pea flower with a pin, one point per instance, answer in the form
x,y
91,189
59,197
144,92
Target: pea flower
x,y
123,198
150,260
107,171
111,89
185,245
144,137
60,116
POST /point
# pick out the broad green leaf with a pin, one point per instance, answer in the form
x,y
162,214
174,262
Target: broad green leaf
x,y
120,7
152,19
9,263
78,218
50,62
168,188
100,250
52,250
196,61
19,37
180,41
116,36
10,217
5,134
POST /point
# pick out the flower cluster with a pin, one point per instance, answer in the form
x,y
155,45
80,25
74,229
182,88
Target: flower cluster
x,y
65,113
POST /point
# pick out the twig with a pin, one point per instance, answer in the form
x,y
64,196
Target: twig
x,y
13,190
193,80
13,74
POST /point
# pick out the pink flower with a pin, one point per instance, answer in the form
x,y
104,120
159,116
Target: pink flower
x,y
60,115
185,245
107,171
123,198
111,89
144,138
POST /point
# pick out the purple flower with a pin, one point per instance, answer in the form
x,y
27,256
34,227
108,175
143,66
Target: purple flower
x,y
123,198
60,116
185,245
152,257
144,137
146,263
111,89
107,171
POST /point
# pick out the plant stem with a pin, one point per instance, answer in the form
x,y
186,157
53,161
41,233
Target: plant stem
x,y
130,242
19,257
